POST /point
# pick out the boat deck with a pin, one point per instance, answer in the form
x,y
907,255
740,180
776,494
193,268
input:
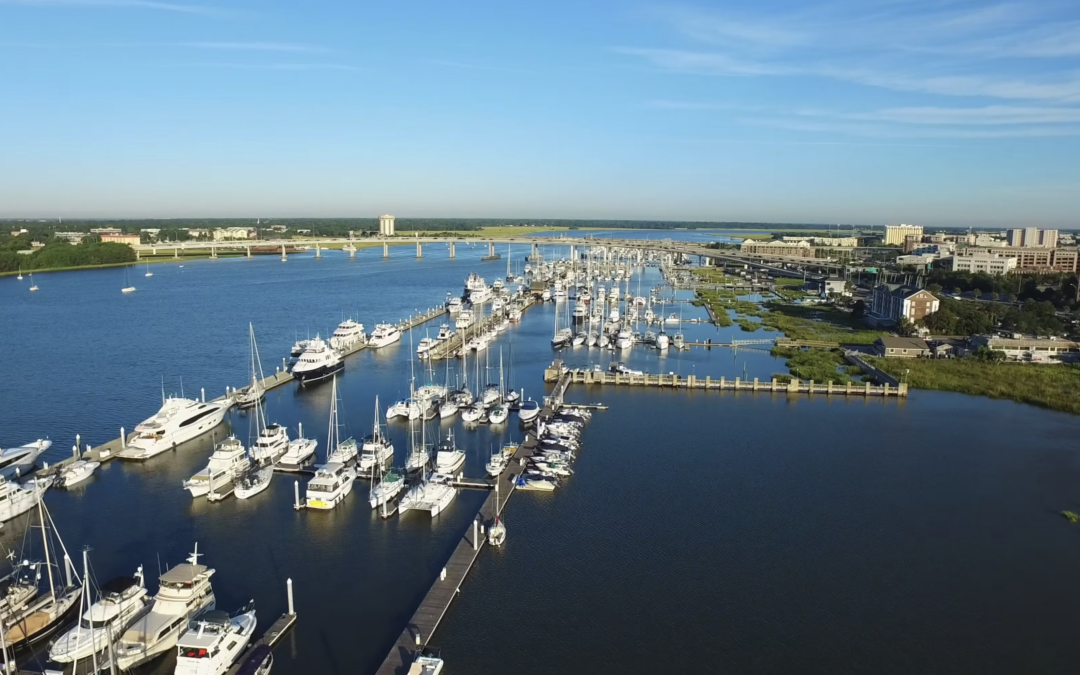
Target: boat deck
x,y
270,638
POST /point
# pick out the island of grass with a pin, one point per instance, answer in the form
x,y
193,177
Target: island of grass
x,y
1052,386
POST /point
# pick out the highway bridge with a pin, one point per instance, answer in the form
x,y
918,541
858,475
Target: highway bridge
x,y
772,263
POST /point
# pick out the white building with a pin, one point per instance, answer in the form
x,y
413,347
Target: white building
x,y
386,226
233,233
894,234
1033,237
989,263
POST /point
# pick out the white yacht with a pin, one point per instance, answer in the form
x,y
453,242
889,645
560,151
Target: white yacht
x,y
448,408
18,498
383,335
498,414
433,494
425,346
662,341
184,592
119,602
464,319
449,459
398,409
528,410
318,362
228,461
331,484
426,664
453,305
17,461
473,413
271,444
444,333
213,642
347,334
377,449
298,348
299,454
179,420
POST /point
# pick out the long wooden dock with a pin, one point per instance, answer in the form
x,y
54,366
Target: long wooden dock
x,y
453,345
448,583
673,381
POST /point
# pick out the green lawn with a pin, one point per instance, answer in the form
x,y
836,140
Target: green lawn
x,y
1049,386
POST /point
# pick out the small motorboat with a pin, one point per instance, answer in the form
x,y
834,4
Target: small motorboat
x,y
76,473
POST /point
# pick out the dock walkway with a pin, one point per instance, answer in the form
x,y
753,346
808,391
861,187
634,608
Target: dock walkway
x,y
795,386
448,584
270,638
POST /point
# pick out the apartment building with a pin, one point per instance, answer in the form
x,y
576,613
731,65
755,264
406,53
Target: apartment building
x,y
894,234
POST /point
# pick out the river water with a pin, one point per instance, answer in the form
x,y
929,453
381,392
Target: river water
x,y
702,532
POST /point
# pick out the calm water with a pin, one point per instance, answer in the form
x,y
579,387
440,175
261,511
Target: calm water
x,y
763,533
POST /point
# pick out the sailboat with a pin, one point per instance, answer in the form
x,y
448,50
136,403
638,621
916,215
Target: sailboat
x,y
497,532
252,394
33,286
20,273
338,451
265,449
127,280
148,272
30,613
377,448
390,483
333,480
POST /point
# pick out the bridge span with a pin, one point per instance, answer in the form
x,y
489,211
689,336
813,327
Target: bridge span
x,y
771,263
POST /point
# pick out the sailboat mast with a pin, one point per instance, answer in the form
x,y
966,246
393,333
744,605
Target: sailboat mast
x,y
333,420
45,541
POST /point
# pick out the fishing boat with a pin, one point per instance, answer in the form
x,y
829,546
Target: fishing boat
x,y
184,592
76,472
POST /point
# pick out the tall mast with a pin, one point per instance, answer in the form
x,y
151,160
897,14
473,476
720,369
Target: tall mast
x,y
330,445
45,541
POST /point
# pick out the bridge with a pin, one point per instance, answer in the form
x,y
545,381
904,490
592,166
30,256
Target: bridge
x,y
771,263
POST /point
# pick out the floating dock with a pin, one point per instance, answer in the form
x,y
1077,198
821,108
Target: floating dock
x,y
450,347
447,585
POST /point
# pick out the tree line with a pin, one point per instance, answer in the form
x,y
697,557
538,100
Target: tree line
x,y
62,254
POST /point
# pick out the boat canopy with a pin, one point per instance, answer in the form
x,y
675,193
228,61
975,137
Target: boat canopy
x,y
183,574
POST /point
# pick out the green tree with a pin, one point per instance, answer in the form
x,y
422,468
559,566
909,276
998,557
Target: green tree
x,y
977,293
956,290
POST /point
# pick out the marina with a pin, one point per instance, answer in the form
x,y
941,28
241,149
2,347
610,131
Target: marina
x,y
417,575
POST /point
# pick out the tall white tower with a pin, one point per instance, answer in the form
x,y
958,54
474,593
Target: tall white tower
x,y
386,226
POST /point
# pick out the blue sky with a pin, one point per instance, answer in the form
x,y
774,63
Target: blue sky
x,y
871,111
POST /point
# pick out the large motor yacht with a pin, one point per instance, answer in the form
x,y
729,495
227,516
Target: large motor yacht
x,y
299,454
228,461
331,485
213,642
179,420
184,593
318,362
383,335
17,461
347,334
120,602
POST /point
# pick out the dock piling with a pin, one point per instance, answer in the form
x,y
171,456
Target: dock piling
x,y
202,394
475,538
296,495
288,586
442,575
123,438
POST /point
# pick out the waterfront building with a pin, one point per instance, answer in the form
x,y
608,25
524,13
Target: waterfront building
x,y
848,242
233,233
129,239
901,347
1032,237
894,234
1028,349
988,263
800,248
70,237
386,226
891,302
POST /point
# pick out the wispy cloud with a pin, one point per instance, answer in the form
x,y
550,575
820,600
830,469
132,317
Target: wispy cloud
x,y
275,66
256,47
134,4
1007,50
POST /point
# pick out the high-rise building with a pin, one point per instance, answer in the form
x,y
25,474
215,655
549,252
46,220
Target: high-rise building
x,y
386,226
894,234
1032,237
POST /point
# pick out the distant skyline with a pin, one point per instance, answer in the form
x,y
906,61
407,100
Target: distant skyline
x,y
944,114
